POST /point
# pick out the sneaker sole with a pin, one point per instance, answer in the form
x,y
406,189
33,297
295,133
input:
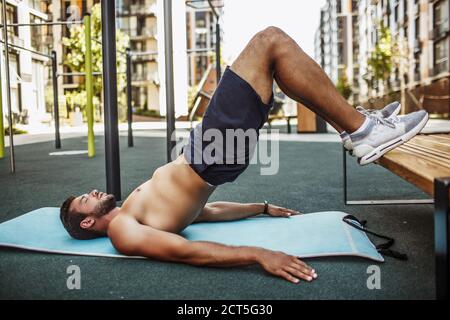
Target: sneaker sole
x,y
390,145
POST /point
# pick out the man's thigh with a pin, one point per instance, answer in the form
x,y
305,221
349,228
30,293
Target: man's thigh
x,y
254,66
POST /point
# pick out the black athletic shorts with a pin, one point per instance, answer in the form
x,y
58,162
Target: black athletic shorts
x,y
235,105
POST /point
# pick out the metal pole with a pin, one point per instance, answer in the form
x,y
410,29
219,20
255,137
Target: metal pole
x,y
37,24
8,90
112,156
89,86
28,50
2,128
218,62
344,163
170,98
441,237
129,101
80,74
55,100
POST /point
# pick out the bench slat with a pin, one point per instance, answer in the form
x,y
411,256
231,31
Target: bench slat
x,y
416,170
425,156
420,161
429,142
443,159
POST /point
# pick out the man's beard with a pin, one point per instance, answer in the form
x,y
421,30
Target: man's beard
x,y
105,206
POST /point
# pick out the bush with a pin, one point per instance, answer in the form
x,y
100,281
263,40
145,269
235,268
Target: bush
x,y
15,131
148,113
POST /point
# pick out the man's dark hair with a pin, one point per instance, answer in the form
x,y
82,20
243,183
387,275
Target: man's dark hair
x,y
71,221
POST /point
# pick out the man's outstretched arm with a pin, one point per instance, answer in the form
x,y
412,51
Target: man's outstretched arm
x,y
134,239
229,211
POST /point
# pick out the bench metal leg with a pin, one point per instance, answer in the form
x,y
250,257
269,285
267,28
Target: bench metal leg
x,y
374,202
441,239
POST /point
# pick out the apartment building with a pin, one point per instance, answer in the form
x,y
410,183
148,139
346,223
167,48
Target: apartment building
x,y
201,39
334,44
138,19
29,72
141,20
420,30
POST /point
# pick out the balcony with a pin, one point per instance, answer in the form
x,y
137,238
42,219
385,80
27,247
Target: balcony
x,y
142,33
145,78
440,31
439,68
15,40
145,58
137,10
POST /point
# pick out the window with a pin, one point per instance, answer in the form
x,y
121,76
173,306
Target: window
x,y
200,19
15,84
341,28
416,67
396,12
201,64
441,52
11,17
354,5
440,14
341,55
417,28
41,36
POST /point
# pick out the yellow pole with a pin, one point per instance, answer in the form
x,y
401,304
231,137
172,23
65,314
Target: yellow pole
x,y
89,87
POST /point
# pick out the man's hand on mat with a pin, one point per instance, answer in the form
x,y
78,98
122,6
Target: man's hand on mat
x,y
276,211
285,266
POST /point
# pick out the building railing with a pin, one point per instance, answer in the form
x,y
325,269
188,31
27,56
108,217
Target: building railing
x,y
440,31
137,9
148,32
151,77
15,40
439,68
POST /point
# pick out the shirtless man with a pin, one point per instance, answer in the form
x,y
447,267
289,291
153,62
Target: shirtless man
x,y
149,221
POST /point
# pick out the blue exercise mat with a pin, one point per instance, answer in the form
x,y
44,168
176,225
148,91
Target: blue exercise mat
x,y
310,235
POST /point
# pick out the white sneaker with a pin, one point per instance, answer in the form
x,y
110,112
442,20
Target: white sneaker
x,y
391,110
382,135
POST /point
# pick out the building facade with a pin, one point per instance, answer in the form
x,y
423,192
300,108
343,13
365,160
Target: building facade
x,y
334,42
201,40
28,71
138,19
420,32
142,20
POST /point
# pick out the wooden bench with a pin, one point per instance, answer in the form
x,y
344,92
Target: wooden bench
x,y
425,162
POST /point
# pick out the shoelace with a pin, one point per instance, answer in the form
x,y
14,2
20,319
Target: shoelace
x,y
378,117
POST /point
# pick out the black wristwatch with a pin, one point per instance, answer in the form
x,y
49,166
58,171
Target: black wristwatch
x,y
266,207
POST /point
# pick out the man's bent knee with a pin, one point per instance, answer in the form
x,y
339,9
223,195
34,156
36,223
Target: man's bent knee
x,y
271,35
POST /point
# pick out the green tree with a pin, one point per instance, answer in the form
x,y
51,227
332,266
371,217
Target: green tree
x,y
75,60
380,63
344,87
